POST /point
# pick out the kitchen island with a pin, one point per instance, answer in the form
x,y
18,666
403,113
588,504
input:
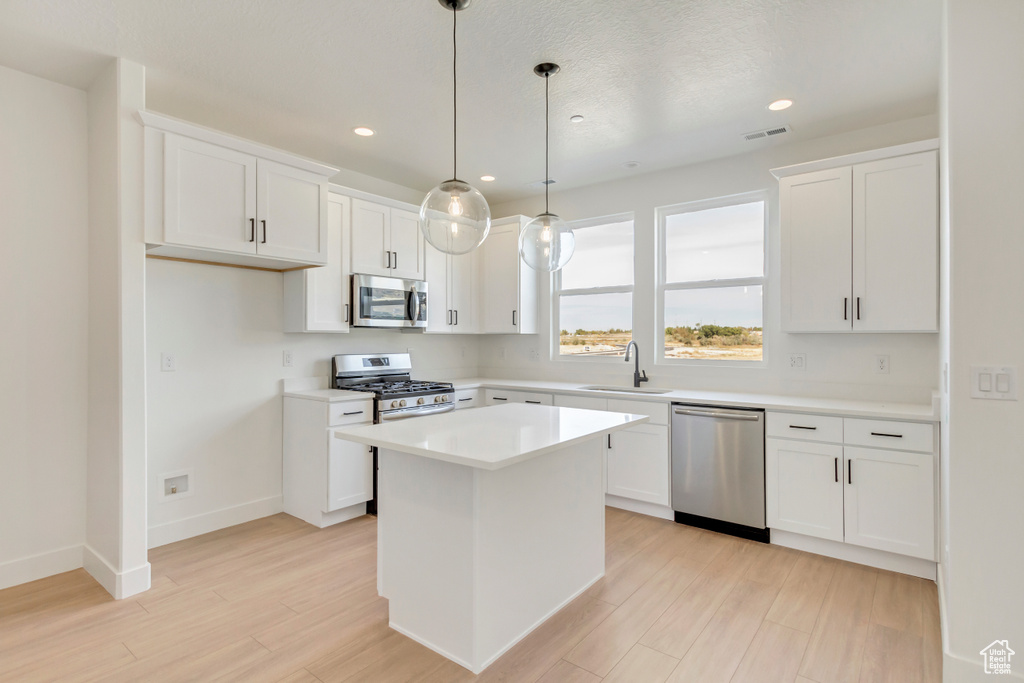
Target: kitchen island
x,y
490,520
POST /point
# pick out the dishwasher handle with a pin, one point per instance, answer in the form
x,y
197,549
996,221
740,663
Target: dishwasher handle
x,y
746,417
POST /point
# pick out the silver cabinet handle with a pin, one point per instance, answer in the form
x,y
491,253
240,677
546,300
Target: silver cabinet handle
x,y
449,316
718,415
456,316
467,399
347,319
264,232
891,436
396,259
513,318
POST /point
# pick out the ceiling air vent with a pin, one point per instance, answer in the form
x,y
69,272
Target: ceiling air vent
x,y
766,133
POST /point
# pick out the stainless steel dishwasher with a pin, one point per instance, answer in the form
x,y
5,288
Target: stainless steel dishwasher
x,y
718,469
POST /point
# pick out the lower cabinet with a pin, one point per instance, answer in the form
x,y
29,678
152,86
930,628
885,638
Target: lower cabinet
x,y
636,459
881,498
468,398
498,396
326,480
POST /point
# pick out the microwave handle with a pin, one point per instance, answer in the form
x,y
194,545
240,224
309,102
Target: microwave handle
x,y
414,305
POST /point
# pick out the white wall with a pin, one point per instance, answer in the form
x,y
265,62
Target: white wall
x,y
982,108
220,413
43,337
837,365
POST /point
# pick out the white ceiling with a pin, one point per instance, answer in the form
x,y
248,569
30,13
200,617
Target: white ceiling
x,y
661,82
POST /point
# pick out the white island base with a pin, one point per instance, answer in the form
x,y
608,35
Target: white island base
x,y
472,560
490,520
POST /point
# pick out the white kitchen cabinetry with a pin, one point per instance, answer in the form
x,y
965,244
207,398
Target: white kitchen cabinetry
x,y
881,498
210,197
636,459
317,299
386,241
508,302
499,396
860,244
451,308
468,398
326,480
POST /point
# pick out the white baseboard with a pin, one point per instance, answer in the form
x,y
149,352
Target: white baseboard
x,y
181,529
121,585
855,553
639,506
25,569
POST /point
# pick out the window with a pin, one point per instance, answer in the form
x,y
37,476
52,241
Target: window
x,y
713,280
593,303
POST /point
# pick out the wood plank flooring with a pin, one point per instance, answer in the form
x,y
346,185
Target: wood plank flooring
x,y
278,600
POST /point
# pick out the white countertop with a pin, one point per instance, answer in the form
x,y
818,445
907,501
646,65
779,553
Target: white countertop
x,y
493,437
330,395
801,404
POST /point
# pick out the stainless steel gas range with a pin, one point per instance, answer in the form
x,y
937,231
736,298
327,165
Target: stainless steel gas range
x,y
396,395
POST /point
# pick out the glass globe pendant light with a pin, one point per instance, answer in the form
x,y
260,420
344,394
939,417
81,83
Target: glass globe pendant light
x,y
546,242
454,216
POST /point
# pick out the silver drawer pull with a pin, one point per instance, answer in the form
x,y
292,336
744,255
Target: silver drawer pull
x,y
465,399
357,412
810,429
748,417
891,436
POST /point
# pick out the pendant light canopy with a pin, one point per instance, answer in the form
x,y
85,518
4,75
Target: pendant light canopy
x,y
546,242
454,216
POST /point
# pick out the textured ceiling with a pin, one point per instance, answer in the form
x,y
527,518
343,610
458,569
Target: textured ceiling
x,y
660,82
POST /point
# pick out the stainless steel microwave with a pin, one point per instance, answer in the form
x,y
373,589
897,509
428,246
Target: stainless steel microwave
x,y
388,302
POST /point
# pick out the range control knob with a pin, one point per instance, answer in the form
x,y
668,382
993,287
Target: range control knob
x,y
402,403
437,399
394,404
419,401
444,398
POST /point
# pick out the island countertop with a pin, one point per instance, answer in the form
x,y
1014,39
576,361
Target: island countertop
x,y
493,437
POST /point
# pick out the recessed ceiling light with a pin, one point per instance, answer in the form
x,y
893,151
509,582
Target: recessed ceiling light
x,y
363,130
576,118
631,164
487,178
779,105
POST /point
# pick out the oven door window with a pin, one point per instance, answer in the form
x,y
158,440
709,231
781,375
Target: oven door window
x,y
376,303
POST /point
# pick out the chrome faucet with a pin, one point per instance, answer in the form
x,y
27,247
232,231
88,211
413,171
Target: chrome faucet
x,y
637,375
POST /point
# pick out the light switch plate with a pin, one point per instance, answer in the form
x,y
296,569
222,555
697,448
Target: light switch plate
x,y
994,382
798,361
167,362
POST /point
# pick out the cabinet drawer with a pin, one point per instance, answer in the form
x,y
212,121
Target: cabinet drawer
x,y
468,398
804,427
584,402
350,412
499,396
896,436
658,412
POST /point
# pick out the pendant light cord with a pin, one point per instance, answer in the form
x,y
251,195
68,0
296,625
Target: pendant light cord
x,y
547,137
455,101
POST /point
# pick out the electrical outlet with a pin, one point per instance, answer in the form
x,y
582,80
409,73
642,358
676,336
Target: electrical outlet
x,y
167,362
501,353
287,359
882,364
798,361
534,354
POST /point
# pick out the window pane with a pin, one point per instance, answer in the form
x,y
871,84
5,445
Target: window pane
x,y
719,323
603,257
715,244
595,324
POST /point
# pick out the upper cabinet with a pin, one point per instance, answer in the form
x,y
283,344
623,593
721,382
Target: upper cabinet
x,y
318,299
386,241
212,197
508,287
860,242
452,306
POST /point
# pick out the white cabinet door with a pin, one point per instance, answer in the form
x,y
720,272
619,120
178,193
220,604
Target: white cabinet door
x,y
890,501
317,299
468,398
895,244
461,292
499,396
371,238
499,277
439,312
209,196
804,488
817,261
291,209
638,464
407,245
349,474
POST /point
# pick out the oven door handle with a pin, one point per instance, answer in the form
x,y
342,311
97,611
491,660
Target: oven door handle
x,y
416,411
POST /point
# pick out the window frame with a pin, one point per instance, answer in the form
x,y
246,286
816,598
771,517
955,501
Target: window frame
x,y
557,293
662,213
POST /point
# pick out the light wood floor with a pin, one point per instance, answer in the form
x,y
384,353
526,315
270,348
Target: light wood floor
x,y
277,600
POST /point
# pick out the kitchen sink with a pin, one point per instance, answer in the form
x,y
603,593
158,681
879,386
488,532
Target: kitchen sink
x,y
629,390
